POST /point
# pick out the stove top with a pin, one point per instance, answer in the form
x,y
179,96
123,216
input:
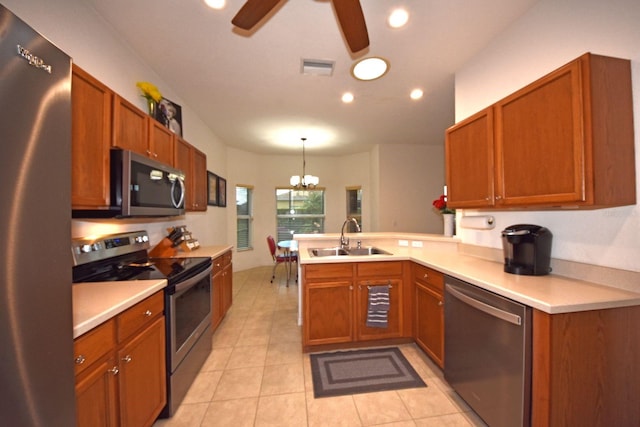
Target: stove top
x,y
120,257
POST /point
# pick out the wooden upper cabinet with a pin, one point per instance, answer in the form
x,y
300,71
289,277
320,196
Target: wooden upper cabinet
x,y
565,140
199,180
469,160
90,140
193,163
161,142
130,127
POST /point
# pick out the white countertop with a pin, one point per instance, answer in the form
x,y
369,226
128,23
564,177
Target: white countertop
x,y
550,293
95,303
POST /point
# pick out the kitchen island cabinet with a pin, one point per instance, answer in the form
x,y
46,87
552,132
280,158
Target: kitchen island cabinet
x,y
335,300
565,140
120,368
91,109
429,311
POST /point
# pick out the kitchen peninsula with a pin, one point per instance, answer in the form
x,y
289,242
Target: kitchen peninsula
x,y
583,333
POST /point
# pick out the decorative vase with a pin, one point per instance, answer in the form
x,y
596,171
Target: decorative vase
x,y
151,106
448,224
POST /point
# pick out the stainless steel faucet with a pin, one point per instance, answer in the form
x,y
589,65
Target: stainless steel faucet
x,y
344,241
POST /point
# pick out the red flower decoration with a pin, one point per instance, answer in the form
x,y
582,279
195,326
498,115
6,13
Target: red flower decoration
x,y
441,205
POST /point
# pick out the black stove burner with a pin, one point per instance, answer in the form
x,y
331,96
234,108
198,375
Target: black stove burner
x,y
137,266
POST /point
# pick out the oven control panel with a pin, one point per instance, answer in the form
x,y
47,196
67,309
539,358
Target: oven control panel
x,y
88,249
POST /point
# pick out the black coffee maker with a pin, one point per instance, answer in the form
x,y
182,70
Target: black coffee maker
x,y
527,249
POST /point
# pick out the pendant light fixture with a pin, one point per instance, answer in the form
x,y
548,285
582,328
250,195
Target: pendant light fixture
x,y
305,181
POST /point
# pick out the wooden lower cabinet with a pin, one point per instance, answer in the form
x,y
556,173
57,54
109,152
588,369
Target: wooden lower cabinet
x,y
222,284
335,300
429,311
120,368
585,370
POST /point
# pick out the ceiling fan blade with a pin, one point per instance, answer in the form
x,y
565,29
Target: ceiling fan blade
x,y
352,22
252,12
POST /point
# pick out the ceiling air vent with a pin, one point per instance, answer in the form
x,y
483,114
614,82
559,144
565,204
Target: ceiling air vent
x,y
318,67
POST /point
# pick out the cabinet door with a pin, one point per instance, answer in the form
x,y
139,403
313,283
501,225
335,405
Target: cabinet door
x,y
91,106
182,161
142,383
199,186
130,127
394,315
160,142
328,312
96,396
469,162
540,141
429,315
227,288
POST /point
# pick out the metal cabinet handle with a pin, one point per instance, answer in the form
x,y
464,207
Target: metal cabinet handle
x,y
127,358
148,313
80,360
440,303
113,371
426,276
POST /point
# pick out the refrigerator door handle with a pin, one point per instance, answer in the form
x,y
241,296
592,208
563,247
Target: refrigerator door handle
x,y
486,308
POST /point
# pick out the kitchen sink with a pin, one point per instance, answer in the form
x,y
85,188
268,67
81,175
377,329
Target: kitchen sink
x,y
337,251
370,250
327,252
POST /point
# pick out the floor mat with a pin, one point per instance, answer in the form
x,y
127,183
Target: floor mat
x,y
362,371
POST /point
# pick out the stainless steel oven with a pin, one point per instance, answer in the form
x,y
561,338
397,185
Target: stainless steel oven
x,y
188,314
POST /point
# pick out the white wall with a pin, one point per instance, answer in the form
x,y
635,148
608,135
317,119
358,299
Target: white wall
x,y
76,29
549,35
410,178
267,172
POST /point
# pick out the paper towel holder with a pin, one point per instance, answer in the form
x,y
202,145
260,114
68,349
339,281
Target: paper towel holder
x,y
478,222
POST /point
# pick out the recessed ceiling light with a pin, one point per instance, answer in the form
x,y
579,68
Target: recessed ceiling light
x,y
347,97
416,94
370,68
398,18
215,4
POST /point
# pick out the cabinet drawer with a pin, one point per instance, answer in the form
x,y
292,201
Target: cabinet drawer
x,y
429,276
218,264
139,315
380,269
328,271
90,347
226,259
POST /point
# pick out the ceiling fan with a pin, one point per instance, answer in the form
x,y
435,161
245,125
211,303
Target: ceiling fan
x,y
349,14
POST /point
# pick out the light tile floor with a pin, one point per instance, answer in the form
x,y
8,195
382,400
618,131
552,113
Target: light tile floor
x,y
257,374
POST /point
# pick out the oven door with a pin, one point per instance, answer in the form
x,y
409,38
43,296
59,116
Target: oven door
x,y
189,304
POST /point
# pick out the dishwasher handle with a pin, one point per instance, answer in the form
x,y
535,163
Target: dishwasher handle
x,y
486,308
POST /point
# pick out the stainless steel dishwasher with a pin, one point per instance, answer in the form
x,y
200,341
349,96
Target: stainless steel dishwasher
x,y
488,353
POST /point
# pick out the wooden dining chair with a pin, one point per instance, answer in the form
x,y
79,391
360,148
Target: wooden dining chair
x,y
279,258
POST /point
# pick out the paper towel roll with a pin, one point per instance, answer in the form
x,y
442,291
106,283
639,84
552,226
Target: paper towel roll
x,y
480,222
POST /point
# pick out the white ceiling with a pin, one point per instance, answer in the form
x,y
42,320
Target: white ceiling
x,y
249,90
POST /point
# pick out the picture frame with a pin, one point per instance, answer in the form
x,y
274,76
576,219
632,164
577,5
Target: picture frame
x,y
212,189
222,192
170,115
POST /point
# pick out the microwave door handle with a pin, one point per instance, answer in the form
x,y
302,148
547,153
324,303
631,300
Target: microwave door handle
x,y
173,186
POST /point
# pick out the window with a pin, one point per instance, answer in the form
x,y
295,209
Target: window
x,y
354,207
244,208
299,212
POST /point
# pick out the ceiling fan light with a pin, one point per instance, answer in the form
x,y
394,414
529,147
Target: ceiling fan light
x,y
370,68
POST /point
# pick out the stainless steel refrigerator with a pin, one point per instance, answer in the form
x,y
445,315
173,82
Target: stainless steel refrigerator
x,y
36,336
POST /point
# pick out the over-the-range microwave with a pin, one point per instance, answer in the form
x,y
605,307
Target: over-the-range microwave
x,y
140,187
